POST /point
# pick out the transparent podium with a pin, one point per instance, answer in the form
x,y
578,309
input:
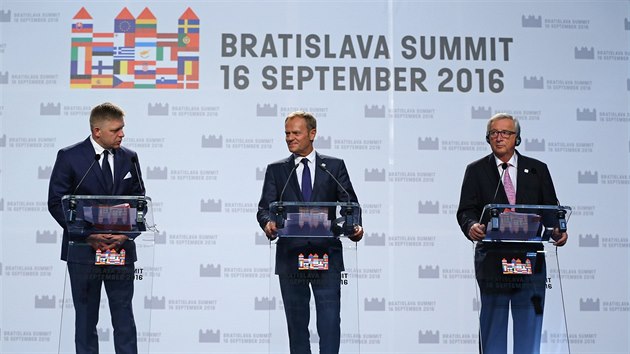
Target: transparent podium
x,y
312,253
520,279
113,264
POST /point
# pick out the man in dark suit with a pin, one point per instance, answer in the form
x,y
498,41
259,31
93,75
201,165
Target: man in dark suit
x,y
98,166
525,181
307,181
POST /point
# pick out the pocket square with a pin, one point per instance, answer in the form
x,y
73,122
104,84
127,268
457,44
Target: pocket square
x,y
128,175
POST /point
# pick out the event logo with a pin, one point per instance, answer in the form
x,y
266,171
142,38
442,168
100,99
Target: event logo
x,y
5,16
374,304
266,110
154,303
323,142
209,336
480,112
531,21
374,239
374,111
429,143
589,304
135,55
584,53
535,145
264,304
429,337
588,240
210,271
46,236
375,175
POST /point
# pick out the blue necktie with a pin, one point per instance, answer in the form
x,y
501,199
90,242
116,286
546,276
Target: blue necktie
x,y
107,172
307,187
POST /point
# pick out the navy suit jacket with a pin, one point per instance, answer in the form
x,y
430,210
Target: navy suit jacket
x,y
534,186
73,162
325,189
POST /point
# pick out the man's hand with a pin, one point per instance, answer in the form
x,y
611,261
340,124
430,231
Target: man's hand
x,y
271,230
106,242
115,242
358,233
477,232
560,238
97,241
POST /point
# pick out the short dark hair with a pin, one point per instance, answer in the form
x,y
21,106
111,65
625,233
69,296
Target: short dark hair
x,y
105,111
311,122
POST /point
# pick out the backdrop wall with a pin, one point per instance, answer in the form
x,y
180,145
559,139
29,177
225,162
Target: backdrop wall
x,y
402,92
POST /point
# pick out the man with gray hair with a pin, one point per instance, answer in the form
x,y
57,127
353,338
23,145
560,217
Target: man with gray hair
x,y
525,181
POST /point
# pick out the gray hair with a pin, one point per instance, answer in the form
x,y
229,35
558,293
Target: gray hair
x,y
499,116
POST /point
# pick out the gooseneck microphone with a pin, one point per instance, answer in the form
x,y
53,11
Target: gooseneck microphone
x,y
96,158
134,160
323,167
280,214
142,203
287,182
72,203
504,167
348,226
494,218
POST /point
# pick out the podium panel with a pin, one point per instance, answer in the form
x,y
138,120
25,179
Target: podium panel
x,y
101,282
520,280
313,270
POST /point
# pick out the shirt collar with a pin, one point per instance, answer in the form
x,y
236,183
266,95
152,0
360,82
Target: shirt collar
x,y
97,148
310,157
511,162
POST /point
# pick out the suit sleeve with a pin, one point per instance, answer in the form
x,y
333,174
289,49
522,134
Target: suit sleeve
x,y
470,202
61,181
344,179
138,186
548,196
269,195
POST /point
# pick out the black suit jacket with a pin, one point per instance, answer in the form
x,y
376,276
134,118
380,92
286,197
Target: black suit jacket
x,y
72,164
534,186
325,189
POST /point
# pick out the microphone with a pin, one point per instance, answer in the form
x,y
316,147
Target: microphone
x,y
323,167
72,203
504,166
142,203
348,225
280,214
134,160
287,182
96,158
494,213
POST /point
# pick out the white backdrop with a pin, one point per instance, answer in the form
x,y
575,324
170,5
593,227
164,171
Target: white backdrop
x,y
401,90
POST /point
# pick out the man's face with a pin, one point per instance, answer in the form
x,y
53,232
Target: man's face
x,y
109,133
299,139
503,147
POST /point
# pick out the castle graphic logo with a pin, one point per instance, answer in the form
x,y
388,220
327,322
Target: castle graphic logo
x,y
135,55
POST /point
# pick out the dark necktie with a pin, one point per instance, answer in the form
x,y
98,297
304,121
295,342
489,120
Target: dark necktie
x,y
107,172
307,187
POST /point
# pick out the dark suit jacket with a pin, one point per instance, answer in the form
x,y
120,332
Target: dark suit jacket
x,y
480,182
72,163
325,189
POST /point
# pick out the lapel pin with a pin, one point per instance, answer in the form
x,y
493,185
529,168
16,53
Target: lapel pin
x,y
526,170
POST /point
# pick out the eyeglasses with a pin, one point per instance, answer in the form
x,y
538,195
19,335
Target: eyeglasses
x,y
504,133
